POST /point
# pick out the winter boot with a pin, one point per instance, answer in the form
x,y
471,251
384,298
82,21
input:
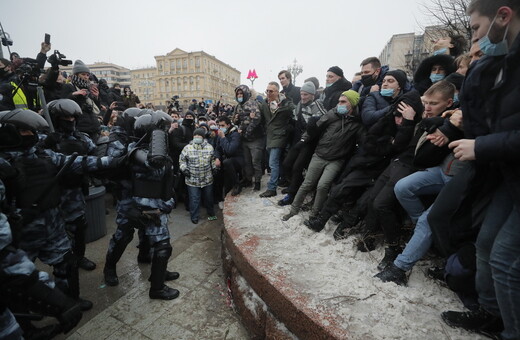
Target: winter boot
x,y
316,223
237,189
169,276
268,193
114,253
479,321
390,255
286,200
257,186
394,274
158,289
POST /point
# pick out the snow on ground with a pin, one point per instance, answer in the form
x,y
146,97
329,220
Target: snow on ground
x,y
334,274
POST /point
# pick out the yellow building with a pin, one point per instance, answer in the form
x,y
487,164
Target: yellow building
x,y
143,83
193,75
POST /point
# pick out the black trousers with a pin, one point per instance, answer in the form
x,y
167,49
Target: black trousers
x,y
296,160
384,210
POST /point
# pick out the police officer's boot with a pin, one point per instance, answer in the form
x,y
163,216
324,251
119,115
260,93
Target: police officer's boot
x,y
158,290
67,280
114,253
79,241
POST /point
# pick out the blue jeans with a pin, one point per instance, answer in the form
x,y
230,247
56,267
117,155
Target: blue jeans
x,y
195,194
407,190
427,182
274,164
498,261
418,245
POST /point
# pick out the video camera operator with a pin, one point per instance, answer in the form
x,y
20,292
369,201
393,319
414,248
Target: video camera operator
x,y
53,80
12,94
86,96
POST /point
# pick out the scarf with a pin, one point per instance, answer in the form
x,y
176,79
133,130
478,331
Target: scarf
x,y
80,83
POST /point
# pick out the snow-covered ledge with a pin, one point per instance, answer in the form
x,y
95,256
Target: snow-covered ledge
x,y
288,282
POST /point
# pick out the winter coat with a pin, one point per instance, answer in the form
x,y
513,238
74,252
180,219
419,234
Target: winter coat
x,y
277,123
492,115
333,92
251,128
421,78
302,114
229,146
339,135
292,92
131,101
375,107
88,122
114,95
199,160
364,91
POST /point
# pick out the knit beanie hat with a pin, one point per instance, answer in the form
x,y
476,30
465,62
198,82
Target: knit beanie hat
x,y
314,80
352,96
308,87
336,70
199,132
400,76
80,67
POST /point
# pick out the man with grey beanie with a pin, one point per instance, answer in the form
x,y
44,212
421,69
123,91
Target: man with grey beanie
x,y
300,153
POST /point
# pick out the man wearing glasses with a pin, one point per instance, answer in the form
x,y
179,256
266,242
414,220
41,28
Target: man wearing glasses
x,y
277,119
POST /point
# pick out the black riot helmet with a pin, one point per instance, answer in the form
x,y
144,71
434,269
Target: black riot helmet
x,y
151,121
127,119
61,110
12,126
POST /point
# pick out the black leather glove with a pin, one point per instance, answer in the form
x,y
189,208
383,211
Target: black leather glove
x,y
51,141
186,173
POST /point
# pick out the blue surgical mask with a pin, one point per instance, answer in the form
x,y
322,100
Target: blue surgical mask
x,y
240,99
328,85
441,51
223,129
180,120
387,92
198,140
342,109
488,48
456,98
435,77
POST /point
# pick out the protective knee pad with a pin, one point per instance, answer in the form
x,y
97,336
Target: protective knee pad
x,y
162,249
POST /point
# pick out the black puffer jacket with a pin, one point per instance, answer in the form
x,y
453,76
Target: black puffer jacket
x,y
333,92
492,115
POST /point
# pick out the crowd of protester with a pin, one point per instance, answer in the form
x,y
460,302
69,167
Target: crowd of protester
x,y
412,163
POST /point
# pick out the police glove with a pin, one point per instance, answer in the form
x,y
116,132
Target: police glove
x,y
52,140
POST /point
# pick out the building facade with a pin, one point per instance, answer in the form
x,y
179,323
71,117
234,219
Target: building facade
x,y
406,51
192,75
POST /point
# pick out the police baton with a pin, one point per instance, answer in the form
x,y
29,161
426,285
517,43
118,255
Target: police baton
x,y
43,104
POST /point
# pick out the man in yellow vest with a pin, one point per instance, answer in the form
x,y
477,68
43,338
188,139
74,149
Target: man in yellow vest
x,y
12,95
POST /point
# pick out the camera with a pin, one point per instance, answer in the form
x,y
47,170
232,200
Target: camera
x,y
28,69
58,59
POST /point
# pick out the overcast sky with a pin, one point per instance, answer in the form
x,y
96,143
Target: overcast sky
x,y
263,35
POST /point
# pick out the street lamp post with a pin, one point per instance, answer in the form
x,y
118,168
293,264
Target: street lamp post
x,y
295,70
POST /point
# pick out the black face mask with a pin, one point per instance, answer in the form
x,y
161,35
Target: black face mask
x,y
368,80
3,72
66,125
29,141
188,121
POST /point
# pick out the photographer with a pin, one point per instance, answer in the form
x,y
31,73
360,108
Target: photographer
x,y
11,94
86,95
53,79
130,99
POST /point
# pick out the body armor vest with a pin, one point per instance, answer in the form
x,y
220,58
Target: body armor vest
x,y
34,185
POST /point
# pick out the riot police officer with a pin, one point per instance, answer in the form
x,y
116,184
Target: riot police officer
x,y
146,200
35,195
67,140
